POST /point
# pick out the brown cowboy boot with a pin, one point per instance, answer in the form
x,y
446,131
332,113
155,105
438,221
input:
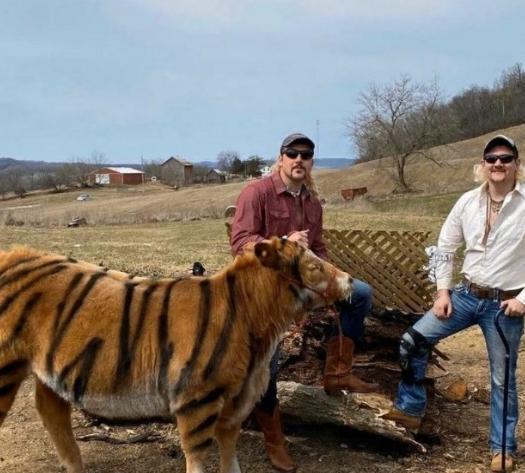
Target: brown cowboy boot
x,y
276,448
338,368
411,423
497,465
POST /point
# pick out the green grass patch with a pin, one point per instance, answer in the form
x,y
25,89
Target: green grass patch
x,y
429,205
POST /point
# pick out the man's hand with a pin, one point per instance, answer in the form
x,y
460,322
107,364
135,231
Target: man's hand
x,y
442,307
513,308
300,237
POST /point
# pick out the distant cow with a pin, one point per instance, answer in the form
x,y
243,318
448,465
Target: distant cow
x,y
351,194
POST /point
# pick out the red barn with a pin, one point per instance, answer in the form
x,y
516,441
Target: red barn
x,y
116,176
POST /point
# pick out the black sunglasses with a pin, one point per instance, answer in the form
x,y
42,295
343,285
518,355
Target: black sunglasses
x,y
293,154
504,158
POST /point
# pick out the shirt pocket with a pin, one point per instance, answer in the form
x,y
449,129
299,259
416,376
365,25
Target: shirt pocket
x,y
313,215
279,222
511,231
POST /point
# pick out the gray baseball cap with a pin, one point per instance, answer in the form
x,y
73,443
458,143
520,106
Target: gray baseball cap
x,y
296,138
501,140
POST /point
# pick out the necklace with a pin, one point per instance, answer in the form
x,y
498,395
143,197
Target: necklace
x,y
495,205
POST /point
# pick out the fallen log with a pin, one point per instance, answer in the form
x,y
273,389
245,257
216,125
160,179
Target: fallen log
x,y
311,405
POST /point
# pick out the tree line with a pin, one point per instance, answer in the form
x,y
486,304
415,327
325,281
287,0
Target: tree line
x,y
403,119
231,162
19,179
57,177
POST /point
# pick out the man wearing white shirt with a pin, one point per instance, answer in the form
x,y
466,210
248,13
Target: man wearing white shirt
x,y
490,221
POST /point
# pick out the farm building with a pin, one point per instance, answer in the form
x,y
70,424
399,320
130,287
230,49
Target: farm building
x,y
177,172
265,170
216,175
116,176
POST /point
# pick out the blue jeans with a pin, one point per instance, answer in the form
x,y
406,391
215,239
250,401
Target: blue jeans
x,y
351,315
469,310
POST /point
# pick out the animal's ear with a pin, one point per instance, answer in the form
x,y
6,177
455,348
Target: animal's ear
x,y
268,254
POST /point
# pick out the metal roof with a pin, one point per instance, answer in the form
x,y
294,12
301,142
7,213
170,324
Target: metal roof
x,y
180,160
124,170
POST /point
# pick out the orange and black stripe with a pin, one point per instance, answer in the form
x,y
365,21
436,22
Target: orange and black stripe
x,y
222,343
204,319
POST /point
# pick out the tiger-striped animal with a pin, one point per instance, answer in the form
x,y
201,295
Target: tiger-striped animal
x,y
195,349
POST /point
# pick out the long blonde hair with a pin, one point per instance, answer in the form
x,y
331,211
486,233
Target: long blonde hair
x,y
309,182
480,173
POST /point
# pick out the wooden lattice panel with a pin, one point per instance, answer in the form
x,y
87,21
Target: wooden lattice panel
x,y
391,262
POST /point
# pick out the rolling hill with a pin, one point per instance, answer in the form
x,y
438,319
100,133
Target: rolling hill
x,y
454,174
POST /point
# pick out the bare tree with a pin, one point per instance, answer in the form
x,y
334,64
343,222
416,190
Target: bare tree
x,y
153,168
56,177
225,160
510,91
4,187
97,159
400,121
253,165
80,168
16,180
200,173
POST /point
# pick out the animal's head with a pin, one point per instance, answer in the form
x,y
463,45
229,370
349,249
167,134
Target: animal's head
x,y
313,281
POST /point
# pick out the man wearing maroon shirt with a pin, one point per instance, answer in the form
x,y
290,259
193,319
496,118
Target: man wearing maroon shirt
x,y
286,204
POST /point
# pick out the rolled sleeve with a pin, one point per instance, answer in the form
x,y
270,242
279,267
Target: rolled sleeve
x,y
521,297
450,239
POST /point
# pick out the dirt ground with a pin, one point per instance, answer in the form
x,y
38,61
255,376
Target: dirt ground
x,y
25,447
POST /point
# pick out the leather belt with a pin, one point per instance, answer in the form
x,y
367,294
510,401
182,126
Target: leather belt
x,y
485,292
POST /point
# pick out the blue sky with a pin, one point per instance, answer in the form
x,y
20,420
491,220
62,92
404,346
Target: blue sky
x,y
157,78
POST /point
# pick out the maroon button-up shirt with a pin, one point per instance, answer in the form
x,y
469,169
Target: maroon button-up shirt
x,y
265,208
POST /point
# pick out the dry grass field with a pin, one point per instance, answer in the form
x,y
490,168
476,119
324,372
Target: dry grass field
x,y
166,248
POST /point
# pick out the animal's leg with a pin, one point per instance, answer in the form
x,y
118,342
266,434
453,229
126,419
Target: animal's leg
x,y
12,373
194,464
196,422
56,417
227,438
195,445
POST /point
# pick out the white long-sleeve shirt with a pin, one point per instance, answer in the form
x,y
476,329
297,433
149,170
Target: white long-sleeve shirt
x,y
498,263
